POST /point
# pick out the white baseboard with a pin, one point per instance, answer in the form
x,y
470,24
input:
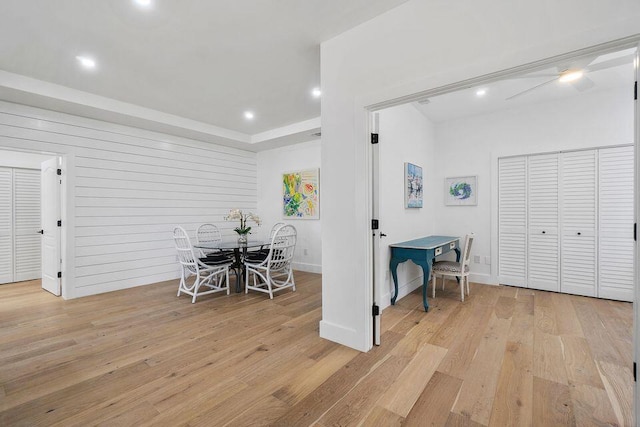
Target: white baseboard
x,y
310,268
483,278
403,291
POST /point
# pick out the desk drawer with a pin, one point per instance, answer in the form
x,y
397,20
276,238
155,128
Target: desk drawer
x,y
452,245
438,251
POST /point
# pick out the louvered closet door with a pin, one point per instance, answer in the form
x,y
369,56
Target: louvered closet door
x,y
26,184
543,248
6,226
512,221
616,248
578,186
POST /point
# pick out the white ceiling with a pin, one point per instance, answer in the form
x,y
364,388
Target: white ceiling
x,y
205,61
466,103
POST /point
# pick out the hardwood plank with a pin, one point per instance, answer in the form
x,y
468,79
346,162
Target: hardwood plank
x,y
552,405
618,383
431,407
457,420
380,416
592,407
548,358
514,407
580,367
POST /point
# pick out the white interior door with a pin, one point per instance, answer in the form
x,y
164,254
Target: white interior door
x,y
6,225
543,257
512,221
50,214
578,187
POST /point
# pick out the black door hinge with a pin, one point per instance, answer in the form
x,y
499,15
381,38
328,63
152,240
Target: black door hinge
x,y
635,231
59,274
634,372
375,310
59,172
59,223
374,138
635,91
374,224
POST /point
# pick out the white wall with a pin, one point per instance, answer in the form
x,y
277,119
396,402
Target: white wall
x,y
271,165
126,190
406,135
471,146
416,47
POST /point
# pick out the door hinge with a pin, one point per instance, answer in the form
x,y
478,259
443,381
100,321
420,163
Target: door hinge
x,y
375,310
59,223
59,172
374,138
59,274
635,91
374,224
635,231
634,372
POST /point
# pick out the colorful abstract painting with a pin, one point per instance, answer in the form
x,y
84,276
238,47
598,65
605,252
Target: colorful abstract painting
x,y
413,186
300,194
461,191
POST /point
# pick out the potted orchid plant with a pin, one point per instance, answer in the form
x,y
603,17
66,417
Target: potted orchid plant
x,y
244,229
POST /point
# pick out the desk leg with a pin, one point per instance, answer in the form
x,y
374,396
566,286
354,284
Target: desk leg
x,y
457,260
238,269
393,266
426,270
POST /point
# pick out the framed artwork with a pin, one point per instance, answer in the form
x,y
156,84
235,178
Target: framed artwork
x,y
300,194
461,191
412,186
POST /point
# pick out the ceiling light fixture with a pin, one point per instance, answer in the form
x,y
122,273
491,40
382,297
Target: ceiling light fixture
x,y
86,62
248,115
316,92
481,92
570,76
143,3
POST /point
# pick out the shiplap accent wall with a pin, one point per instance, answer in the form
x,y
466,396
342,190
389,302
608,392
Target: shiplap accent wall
x,y
130,189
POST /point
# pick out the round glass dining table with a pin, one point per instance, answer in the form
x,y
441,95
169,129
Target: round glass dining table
x,y
239,253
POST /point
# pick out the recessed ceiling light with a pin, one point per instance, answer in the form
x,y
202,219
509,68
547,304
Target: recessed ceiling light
x,y
248,115
570,76
481,92
143,3
316,92
86,62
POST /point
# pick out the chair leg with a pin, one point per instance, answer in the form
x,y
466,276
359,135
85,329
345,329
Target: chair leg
x,y
443,279
227,278
467,280
462,288
433,285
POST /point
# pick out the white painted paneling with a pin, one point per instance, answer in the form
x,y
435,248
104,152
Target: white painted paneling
x,y
543,257
616,245
512,213
579,218
27,222
131,188
6,225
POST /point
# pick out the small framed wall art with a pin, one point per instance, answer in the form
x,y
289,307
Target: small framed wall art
x,y
412,186
461,191
301,195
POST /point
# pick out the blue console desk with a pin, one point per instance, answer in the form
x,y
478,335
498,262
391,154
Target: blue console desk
x,y
421,251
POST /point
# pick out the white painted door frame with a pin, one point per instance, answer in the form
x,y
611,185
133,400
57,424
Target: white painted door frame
x,y
636,305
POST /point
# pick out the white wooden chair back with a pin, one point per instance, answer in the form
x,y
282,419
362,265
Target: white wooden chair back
x,y
274,229
465,259
208,233
283,246
186,257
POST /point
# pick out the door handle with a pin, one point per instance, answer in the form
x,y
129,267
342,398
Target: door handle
x,y
579,233
40,232
382,235
544,232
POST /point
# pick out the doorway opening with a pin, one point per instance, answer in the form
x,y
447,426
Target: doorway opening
x,y
31,218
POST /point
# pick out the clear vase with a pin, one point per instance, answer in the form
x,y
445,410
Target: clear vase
x,y
242,239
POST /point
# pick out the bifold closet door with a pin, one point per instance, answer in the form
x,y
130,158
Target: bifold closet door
x,y
512,221
543,257
26,184
6,225
578,191
616,245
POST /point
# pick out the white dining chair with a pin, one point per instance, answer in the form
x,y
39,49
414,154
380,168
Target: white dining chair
x,y
209,275
454,269
274,273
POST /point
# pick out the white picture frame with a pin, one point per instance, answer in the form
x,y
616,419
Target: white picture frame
x,y
461,191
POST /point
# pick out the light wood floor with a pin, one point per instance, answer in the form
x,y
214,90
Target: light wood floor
x,y
504,357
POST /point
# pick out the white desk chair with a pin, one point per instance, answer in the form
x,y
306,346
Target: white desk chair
x,y
454,269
